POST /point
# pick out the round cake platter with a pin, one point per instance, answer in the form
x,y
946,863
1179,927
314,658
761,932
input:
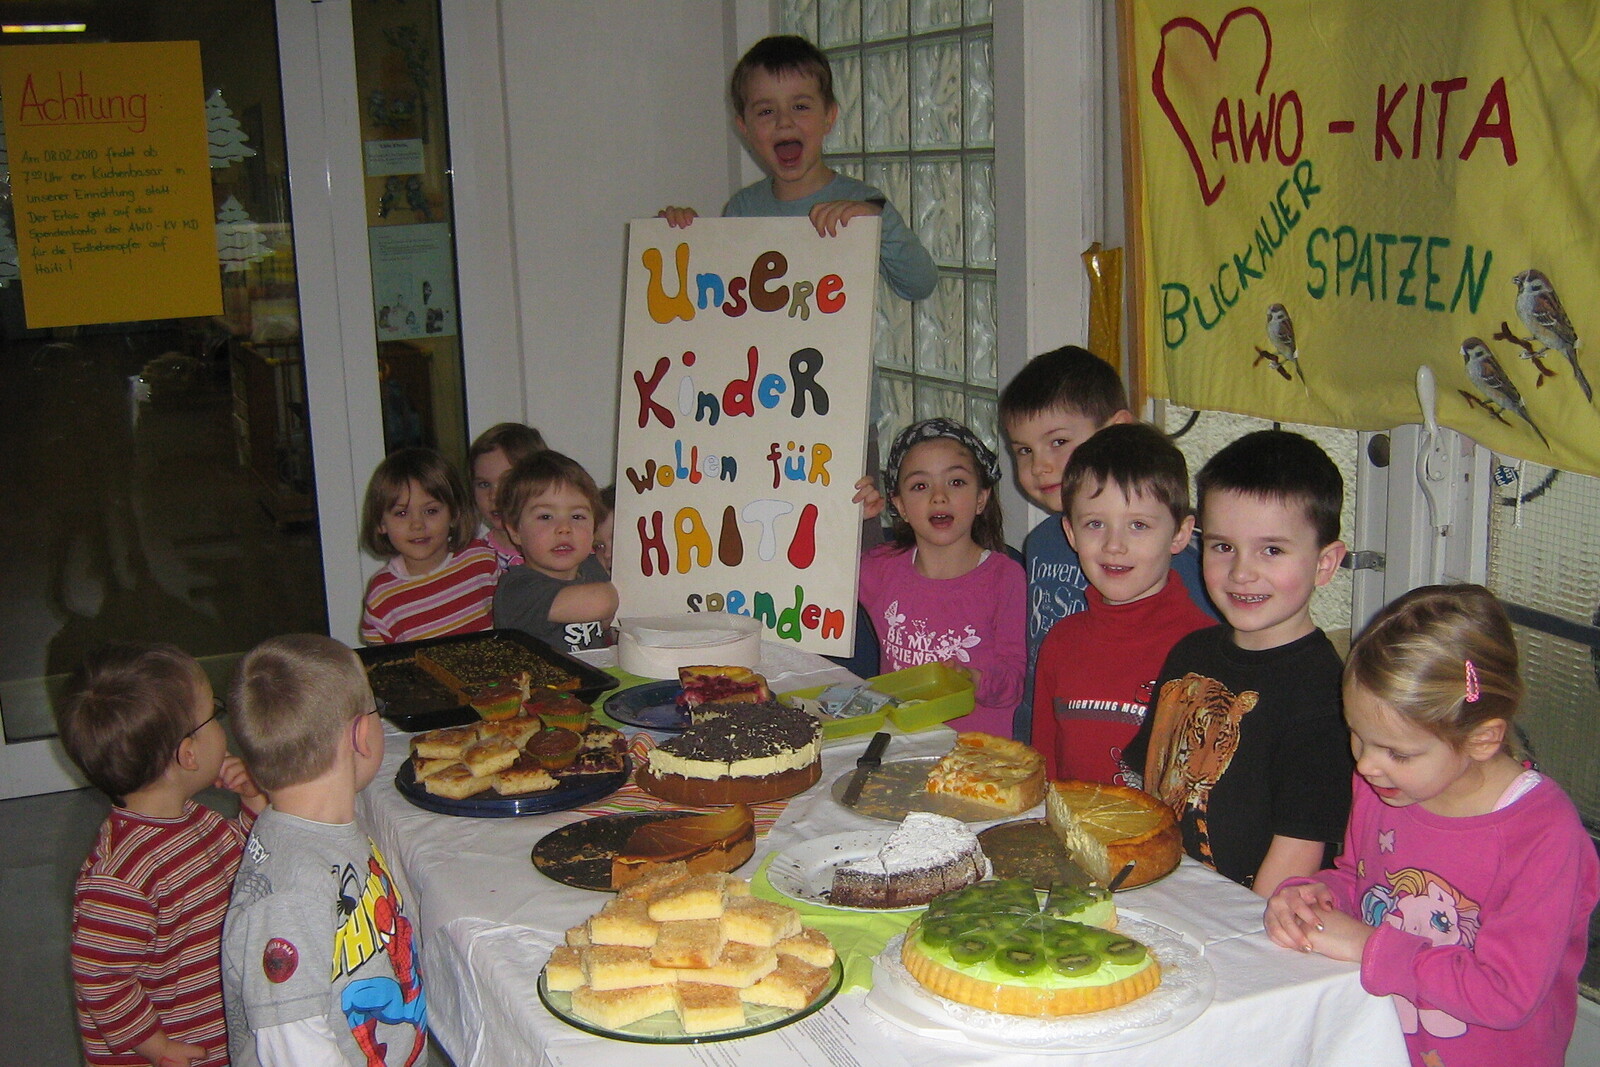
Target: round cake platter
x,y
570,793
651,706
579,854
899,787
664,1028
1187,986
804,871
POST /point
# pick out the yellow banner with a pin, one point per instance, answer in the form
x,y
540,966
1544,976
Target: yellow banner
x,y
1329,195
111,183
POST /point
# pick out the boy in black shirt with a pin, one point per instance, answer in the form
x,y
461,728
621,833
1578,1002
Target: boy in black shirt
x,y
1246,740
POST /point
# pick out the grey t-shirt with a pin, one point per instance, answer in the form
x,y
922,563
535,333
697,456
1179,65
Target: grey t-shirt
x,y
317,929
523,599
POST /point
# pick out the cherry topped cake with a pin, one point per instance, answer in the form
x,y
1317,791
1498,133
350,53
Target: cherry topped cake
x,y
994,945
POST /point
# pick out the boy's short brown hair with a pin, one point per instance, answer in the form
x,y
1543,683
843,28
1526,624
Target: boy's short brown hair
x,y
1136,458
1280,466
291,695
125,711
538,474
1070,378
434,474
785,53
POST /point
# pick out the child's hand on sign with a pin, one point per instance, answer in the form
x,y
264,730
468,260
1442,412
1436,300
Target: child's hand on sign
x,y
679,217
868,497
829,216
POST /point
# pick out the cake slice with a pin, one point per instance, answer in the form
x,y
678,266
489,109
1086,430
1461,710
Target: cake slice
x,y
792,984
926,855
722,685
996,772
622,966
696,897
516,729
717,842
655,881
703,1008
615,1008
425,766
740,966
753,921
525,775
489,755
1107,827
456,782
689,943
624,922
564,972
808,946
448,743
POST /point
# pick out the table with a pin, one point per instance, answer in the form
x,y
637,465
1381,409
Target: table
x,y
488,920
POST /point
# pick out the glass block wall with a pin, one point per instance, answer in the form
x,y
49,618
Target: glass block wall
x,y
915,85
1203,434
1543,555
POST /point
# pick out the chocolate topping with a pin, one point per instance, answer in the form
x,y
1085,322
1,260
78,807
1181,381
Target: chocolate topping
x,y
726,732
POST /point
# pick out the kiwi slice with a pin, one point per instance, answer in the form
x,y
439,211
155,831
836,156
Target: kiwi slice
x,y
1122,950
1065,936
1074,962
1019,958
972,947
1065,900
937,933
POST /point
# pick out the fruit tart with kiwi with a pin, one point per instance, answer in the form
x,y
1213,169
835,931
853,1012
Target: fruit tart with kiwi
x,y
995,945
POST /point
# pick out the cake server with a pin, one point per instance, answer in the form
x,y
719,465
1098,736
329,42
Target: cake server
x,y
869,761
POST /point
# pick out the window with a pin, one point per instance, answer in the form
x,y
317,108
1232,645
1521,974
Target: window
x,y
915,85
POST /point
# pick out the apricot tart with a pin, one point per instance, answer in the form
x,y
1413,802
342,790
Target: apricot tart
x,y
995,946
1107,827
997,772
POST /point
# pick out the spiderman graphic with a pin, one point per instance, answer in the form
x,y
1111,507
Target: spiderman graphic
x,y
393,1001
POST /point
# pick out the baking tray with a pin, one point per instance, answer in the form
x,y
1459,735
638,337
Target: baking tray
x,y
431,706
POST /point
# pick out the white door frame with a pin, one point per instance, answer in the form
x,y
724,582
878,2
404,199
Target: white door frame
x,y
322,128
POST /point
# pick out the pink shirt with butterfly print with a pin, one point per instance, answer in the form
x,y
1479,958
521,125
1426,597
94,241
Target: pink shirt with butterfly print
x,y
977,620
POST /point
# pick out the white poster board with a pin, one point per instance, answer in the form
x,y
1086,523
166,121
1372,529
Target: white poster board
x,y
746,377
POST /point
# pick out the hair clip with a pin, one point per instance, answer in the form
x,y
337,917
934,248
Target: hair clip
x,y
1474,691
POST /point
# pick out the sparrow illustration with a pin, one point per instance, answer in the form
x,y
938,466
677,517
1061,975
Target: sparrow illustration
x,y
1280,333
1541,312
1487,374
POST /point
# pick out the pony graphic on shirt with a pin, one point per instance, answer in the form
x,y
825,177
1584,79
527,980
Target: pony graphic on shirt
x,y
912,644
1422,903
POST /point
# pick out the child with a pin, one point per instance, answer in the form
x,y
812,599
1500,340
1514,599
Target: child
x,y
319,961
1467,881
1126,512
783,106
1055,403
141,723
561,594
1245,741
944,590
605,530
498,449
439,580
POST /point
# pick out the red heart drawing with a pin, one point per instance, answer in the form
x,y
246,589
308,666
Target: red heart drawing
x,y
1209,190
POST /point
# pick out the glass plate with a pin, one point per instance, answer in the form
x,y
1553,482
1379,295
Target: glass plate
x,y
579,854
651,706
571,793
664,1029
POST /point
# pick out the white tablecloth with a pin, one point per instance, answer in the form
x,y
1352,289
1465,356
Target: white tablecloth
x,y
488,919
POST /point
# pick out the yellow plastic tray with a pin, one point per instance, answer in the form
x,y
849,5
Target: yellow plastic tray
x,y
924,696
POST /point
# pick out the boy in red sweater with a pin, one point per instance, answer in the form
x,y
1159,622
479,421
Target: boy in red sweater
x,y
1125,501
141,723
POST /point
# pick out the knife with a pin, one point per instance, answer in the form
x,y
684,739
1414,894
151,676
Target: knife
x,y
870,761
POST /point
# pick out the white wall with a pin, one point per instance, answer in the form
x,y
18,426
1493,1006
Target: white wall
x,y
613,110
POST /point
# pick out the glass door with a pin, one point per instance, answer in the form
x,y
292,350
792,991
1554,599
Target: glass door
x,y
161,472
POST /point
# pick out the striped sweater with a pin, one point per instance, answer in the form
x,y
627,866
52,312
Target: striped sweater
x,y
147,929
453,598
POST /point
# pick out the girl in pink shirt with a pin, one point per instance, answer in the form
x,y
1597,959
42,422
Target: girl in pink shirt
x,y
1467,879
944,590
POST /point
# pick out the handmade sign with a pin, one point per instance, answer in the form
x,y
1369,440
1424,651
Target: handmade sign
x,y
746,373
111,182
1327,196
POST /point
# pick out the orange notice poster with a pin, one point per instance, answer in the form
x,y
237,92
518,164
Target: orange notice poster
x,y
111,183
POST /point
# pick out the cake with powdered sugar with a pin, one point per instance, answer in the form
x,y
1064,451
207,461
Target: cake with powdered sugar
x,y
925,856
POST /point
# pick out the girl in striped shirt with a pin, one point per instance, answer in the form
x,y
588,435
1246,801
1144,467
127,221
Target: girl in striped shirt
x,y
439,579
